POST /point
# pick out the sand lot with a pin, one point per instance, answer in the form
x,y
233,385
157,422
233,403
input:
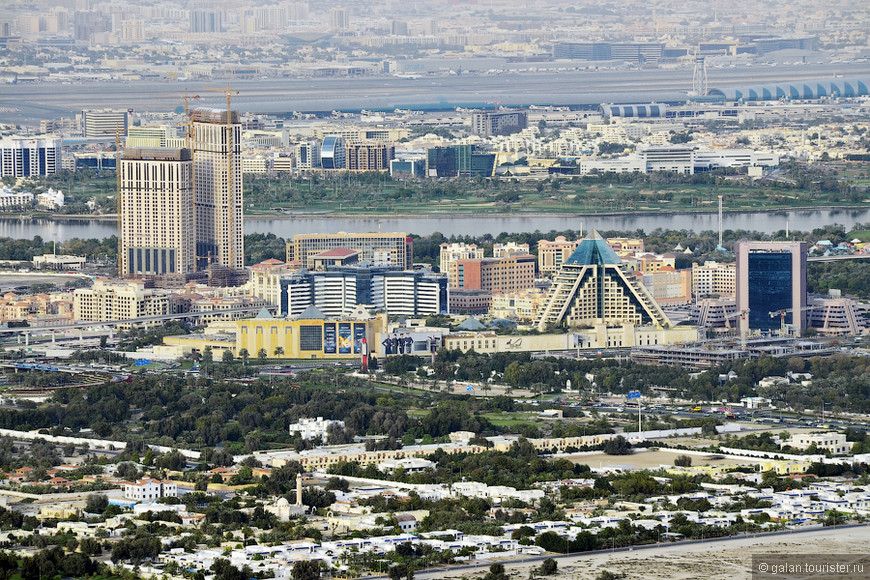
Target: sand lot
x,y
650,460
716,560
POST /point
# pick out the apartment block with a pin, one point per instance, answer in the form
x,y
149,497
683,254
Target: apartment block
x,y
118,300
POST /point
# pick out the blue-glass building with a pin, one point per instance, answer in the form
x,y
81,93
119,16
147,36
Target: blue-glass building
x,y
772,282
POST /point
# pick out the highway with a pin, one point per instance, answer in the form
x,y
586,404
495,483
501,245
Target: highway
x,y
464,569
27,102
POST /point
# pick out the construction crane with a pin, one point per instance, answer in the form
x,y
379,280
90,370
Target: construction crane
x,y
188,144
186,97
231,198
742,315
781,313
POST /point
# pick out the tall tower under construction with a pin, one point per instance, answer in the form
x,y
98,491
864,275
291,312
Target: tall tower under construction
x,y
216,143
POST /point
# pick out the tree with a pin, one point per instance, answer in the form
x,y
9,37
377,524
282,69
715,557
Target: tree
x,y
549,567
244,355
96,503
262,354
683,461
306,570
227,356
279,351
619,445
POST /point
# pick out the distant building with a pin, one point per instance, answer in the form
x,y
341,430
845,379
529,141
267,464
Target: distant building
x,y
551,255
511,274
772,276
457,251
713,279
104,124
52,199
639,52
29,156
205,21
374,156
340,289
506,249
118,300
595,286
58,262
669,287
395,249
148,489
14,199
491,123
308,155
313,428
408,167
459,161
333,153
838,316
310,335
833,443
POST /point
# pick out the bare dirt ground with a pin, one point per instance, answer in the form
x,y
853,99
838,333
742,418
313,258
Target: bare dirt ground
x,y
650,460
717,560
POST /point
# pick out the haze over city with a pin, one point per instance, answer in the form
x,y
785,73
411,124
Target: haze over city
x,y
467,289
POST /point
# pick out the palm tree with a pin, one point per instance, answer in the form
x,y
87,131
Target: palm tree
x,y
244,354
279,350
262,354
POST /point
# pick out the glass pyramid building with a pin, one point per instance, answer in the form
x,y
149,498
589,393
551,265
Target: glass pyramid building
x,y
595,286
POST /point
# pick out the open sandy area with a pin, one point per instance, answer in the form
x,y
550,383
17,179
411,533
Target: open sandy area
x,y
652,460
715,560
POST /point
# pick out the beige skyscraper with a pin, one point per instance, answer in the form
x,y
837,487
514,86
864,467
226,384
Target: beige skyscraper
x,y
156,212
216,144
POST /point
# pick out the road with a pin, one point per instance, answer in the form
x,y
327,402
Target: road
x,y
33,101
463,570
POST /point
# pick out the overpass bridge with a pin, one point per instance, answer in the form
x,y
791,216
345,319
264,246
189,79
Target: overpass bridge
x,y
838,258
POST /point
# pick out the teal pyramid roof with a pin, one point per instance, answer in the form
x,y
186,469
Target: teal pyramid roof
x,y
311,313
264,315
593,250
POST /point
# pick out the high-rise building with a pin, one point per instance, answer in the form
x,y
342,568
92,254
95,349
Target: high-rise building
x,y
594,286
338,19
489,123
104,123
308,155
511,274
394,249
29,156
156,212
772,277
457,251
340,289
217,163
205,21
551,255
333,154
369,156
713,279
